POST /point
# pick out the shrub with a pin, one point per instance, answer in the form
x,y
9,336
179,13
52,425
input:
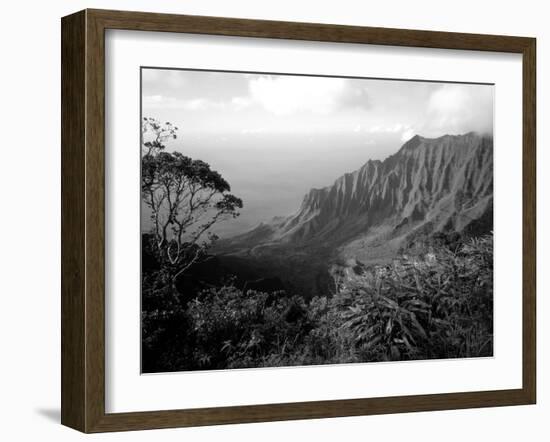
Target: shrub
x,y
432,305
439,305
235,329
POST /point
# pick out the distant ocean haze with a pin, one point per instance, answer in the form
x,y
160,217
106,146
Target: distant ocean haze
x,y
272,172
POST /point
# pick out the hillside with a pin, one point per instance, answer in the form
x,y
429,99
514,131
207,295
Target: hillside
x,y
428,186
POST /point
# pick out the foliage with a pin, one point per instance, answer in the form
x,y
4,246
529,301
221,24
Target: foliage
x,y
185,199
430,305
436,306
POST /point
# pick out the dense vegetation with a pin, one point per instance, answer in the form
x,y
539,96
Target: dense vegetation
x,y
430,305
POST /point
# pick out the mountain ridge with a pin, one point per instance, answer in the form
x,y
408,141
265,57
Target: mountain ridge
x,y
406,183
429,185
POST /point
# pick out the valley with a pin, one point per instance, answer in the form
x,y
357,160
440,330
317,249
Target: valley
x,y
429,187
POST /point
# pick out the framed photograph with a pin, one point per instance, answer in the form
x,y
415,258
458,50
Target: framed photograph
x,y
266,221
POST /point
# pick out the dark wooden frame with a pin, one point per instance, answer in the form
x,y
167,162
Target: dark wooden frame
x,y
83,216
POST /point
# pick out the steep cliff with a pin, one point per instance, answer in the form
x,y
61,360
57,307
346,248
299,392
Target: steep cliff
x,y
429,186
446,182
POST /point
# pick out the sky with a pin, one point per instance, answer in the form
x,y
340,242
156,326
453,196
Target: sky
x,y
274,137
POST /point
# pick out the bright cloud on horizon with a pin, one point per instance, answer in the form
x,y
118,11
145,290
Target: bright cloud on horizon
x,y
195,104
280,95
264,104
460,109
284,95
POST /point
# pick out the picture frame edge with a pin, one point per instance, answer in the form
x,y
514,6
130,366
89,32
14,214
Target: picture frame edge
x,y
73,142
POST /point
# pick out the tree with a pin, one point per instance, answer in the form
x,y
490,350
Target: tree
x,y
185,197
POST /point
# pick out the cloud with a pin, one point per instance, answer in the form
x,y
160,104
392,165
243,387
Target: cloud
x,y
387,129
162,80
354,96
152,99
195,104
252,131
403,132
240,103
458,108
407,135
285,95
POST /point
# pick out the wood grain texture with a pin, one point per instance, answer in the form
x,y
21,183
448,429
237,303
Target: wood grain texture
x,y
73,256
95,222
529,220
83,219
144,21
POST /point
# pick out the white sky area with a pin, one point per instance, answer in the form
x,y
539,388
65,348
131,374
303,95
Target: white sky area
x,y
274,137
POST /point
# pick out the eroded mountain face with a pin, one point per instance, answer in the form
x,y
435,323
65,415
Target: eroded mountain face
x,y
367,216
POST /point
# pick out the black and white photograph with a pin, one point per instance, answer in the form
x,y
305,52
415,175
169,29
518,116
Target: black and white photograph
x,y
264,222
299,220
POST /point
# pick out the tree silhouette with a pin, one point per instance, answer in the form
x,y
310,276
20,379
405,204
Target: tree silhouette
x,y
186,199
